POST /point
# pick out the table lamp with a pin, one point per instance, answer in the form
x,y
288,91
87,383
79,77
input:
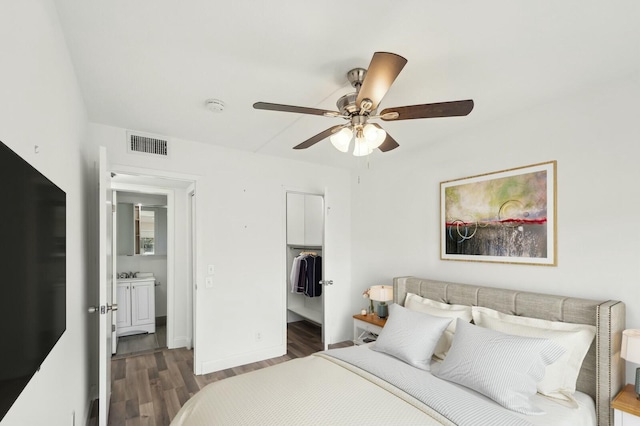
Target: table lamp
x,y
631,352
382,294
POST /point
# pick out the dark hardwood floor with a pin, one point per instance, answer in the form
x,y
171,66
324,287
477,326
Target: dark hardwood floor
x,y
150,388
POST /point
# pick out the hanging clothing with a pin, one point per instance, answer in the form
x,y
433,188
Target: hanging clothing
x,y
294,277
306,274
312,285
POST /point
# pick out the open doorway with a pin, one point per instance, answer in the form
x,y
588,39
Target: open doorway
x,y
305,302
155,253
141,272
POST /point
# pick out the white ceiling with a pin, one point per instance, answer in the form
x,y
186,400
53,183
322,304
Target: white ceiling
x,y
149,65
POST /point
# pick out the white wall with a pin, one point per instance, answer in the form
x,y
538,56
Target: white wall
x,y
40,104
593,135
240,219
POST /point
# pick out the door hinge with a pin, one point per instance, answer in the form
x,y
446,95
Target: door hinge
x,y
113,328
113,208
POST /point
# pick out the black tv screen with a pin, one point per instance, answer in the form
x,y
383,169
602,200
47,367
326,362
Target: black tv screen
x,y
32,272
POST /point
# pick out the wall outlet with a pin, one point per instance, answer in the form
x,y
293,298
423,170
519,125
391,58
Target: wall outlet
x,y
258,336
210,270
208,282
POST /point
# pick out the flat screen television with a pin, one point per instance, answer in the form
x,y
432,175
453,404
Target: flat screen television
x,y
32,272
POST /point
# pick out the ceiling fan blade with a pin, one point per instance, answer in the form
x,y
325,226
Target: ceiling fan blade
x,y
389,143
320,136
441,109
290,108
382,72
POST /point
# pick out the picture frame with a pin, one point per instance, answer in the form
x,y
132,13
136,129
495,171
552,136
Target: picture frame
x,y
507,216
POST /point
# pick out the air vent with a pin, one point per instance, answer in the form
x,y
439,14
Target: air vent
x,y
147,144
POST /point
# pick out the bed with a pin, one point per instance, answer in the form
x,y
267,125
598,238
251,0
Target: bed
x,y
362,384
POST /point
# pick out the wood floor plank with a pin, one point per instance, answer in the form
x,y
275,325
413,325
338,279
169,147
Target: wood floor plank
x,y
172,401
144,388
160,412
160,361
132,408
118,390
147,416
117,413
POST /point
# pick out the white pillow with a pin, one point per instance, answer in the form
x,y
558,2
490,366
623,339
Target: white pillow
x,y
438,309
561,376
410,336
503,367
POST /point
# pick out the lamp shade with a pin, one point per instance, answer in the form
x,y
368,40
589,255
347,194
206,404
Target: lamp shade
x,y
342,139
631,346
381,293
374,136
361,148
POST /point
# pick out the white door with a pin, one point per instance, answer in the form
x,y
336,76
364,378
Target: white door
x,y
326,270
104,309
114,247
191,215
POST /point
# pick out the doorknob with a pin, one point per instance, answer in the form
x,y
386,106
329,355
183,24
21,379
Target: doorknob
x,y
102,308
327,282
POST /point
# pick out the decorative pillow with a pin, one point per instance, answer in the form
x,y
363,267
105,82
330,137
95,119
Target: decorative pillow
x,y
438,309
561,376
503,367
410,336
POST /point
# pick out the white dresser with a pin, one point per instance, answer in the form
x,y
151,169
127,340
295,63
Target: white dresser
x,y
136,312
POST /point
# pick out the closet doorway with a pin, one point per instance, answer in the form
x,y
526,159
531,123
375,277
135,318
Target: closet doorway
x,y
304,254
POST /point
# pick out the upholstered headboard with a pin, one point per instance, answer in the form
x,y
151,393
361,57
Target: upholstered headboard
x,y
602,374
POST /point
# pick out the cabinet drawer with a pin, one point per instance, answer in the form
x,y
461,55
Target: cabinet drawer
x,y
625,419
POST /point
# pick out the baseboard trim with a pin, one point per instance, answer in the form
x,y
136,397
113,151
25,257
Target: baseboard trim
x,y
179,342
222,364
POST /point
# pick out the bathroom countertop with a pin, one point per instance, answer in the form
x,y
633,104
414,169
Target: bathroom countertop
x,y
136,279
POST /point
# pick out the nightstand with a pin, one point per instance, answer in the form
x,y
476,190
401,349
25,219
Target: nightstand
x,y
367,327
626,407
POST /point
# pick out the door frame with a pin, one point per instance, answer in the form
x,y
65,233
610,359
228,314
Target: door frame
x,y
170,194
153,178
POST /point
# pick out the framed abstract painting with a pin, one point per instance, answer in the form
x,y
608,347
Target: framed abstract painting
x,y
507,216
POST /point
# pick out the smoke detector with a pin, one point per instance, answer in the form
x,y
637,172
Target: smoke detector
x,y
214,105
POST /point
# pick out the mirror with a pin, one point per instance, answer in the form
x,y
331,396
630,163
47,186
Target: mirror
x,y
142,229
144,224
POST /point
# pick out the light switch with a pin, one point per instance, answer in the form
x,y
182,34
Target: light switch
x,y
208,282
210,270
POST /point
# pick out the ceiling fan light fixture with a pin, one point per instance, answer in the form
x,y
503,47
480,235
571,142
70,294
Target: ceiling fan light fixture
x,y
374,135
361,147
342,139
380,138
371,84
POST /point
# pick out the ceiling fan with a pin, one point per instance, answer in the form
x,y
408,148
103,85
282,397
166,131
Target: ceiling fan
x,y
360,107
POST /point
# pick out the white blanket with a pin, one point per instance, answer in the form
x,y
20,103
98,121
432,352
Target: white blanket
x,y
308,391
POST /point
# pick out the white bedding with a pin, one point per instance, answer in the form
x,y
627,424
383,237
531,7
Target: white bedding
x,y
304,391
318,390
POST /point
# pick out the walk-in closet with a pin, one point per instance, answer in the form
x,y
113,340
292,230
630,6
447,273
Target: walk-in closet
x,y
305,233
